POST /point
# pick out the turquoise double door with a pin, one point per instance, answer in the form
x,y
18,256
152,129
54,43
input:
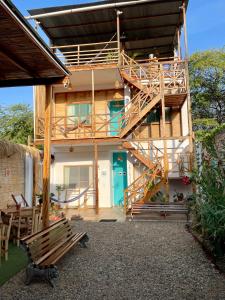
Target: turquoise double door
x,y
119,170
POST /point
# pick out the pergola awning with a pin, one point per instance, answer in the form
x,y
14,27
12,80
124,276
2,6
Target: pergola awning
x,y
24,58
149,27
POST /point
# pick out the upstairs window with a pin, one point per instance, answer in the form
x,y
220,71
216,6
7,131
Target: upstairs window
x,y
79,113
153,116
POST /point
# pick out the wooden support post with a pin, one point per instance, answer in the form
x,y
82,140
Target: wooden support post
x,y
185,30
178,43
47,157
96,179
35,177
93,112
118,13
163,133
78,55
188,81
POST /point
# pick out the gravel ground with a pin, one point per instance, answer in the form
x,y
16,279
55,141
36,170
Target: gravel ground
x,y
132,260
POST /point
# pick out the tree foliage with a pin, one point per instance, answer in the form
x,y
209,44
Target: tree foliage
x,y
208,203
207,80
16,123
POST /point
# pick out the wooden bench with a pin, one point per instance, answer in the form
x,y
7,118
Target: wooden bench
x,y
46,247
163,209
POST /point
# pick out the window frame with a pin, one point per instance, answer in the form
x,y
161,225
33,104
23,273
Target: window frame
x,y
75,166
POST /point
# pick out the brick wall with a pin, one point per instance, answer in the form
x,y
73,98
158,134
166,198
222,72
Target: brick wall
x,y
12,176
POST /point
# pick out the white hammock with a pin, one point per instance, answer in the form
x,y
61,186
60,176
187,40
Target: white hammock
x,y
70,200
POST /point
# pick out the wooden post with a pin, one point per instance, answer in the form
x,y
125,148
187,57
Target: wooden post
x,y
78,55
47,157
118,13
187,81
93,112
35,177
185,30
163,127
178,43
96,180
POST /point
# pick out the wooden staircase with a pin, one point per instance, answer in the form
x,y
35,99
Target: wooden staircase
x,y
143,188
146,96
141,156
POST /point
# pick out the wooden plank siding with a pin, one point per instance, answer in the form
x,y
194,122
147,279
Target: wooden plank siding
x,y
101,101
154,130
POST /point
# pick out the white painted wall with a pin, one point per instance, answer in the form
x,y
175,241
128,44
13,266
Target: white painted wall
x,y
184,119
84,155
28,178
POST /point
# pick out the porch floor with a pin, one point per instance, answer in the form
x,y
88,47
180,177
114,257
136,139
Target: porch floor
x,y
89,214
130,260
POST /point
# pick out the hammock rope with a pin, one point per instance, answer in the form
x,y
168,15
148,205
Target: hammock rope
x,y
72,199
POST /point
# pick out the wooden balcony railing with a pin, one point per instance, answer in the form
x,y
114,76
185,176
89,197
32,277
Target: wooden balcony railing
x,y
88,54
171,74
90,126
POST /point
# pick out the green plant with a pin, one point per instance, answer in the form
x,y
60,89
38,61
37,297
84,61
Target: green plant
x,y
208,206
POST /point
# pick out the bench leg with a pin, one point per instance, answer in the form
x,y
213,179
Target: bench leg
x,y
83,241
47,274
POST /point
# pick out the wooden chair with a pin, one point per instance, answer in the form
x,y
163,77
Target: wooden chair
x,y
20,200
27,221
5,229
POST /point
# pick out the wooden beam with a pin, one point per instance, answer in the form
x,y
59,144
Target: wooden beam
x,y
118,13
93,100
47,158
185,30
187,79
17,63
163,129
178,43
126,20
96,179
28,81
35,177
105,141
107,35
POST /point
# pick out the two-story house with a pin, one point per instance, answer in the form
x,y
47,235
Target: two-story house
x,y
121,121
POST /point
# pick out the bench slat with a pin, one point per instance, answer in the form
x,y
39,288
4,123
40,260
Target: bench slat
x,y
42,246
34,236
41,259
63,250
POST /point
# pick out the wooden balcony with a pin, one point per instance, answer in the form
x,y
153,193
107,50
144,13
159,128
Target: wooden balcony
x,y
167,75
85,55
70,127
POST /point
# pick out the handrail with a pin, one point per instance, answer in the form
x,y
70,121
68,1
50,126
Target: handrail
x,y
140,187
88,54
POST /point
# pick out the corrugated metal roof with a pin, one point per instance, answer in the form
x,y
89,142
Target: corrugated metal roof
x,y
149,27
24,58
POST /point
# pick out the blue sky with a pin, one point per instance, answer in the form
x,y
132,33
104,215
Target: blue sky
x,y
206,30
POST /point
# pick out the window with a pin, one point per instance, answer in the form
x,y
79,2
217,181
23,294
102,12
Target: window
x,y
153,116
78,177
168,114
79,112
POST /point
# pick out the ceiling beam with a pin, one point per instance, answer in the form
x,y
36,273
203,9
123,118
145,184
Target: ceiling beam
x,y
150,47
110,34
123,20
28,82
17,62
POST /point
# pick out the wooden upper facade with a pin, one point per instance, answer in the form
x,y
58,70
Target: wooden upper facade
x,y
133,83
98,108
